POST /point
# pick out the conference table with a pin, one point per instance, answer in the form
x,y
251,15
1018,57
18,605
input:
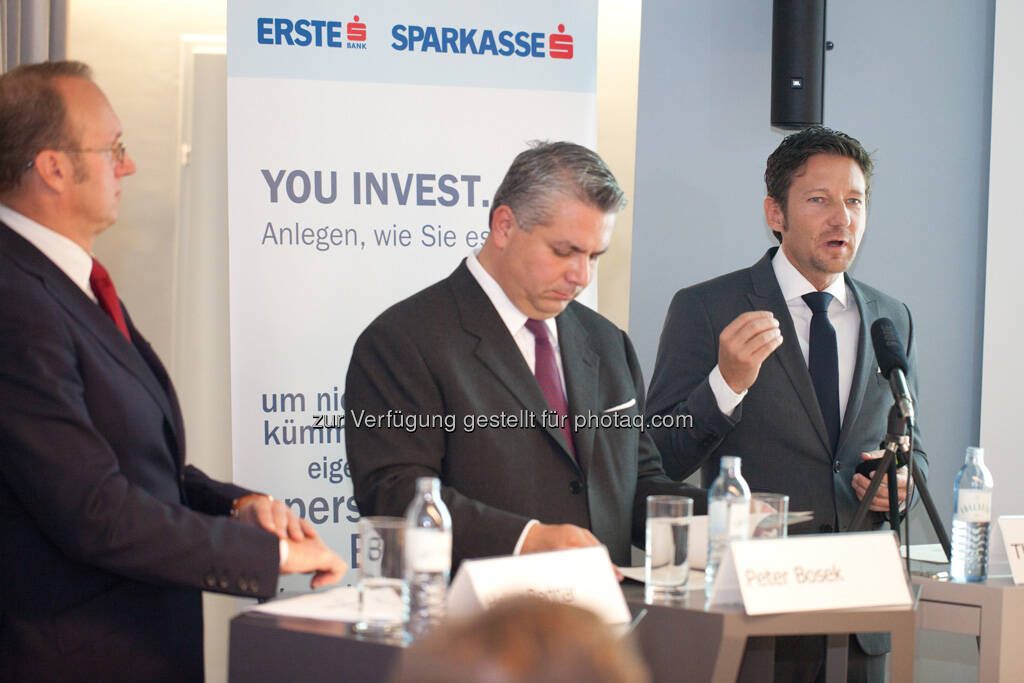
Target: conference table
x,y
686,640
993,611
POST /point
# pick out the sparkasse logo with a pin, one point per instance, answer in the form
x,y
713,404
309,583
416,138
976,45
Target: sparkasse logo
x,y
560,44
311,32
477,41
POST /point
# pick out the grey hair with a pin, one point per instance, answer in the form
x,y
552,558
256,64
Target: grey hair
x,y
549,171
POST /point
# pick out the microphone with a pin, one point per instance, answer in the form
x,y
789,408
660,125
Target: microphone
x,y
892,361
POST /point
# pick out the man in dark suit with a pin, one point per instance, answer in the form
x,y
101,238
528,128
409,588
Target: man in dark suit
x,y
107,535
742,354
559,459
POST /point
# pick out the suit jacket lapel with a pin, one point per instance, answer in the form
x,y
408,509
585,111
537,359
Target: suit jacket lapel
x,y
581,364
496,349
865,360
91,316
768,296
148,355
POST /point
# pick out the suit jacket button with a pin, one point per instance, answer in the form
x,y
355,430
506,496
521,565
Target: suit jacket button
x,y
224,583
575,487
243,585
211,580
254,586
835,466
826,528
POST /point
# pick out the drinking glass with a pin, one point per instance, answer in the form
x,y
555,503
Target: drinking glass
x,y
768,513
666,561
381,579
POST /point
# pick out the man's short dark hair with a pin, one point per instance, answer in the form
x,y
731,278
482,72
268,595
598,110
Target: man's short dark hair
x,y
794,151
550,171
33,116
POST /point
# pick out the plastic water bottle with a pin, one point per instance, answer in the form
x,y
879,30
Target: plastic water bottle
x,y
728,515
428,556
972,513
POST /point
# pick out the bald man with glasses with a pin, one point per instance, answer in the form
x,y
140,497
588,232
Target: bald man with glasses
x,y
107,536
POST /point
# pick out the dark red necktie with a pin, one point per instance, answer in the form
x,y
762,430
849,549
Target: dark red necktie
x,y
103,288
546,370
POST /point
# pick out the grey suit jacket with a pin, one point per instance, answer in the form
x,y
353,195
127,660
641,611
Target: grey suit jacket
x,y
778,429
446,352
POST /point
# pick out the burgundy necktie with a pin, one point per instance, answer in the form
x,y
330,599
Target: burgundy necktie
x,y
546,370
103,288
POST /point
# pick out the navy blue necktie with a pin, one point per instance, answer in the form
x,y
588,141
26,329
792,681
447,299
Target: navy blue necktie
x,y
823,362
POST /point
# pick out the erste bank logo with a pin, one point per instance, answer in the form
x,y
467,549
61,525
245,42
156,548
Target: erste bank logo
x,y
311,32
476,41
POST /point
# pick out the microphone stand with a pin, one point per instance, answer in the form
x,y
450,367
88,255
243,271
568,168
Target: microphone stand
x,y
898,452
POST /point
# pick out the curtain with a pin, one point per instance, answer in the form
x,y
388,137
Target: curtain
x,y
32,31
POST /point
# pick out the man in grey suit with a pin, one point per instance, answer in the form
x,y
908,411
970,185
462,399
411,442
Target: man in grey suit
x,y
742,354
527,405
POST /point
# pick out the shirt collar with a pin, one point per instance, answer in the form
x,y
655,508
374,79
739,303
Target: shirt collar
x,y
513,318
794,285
65,254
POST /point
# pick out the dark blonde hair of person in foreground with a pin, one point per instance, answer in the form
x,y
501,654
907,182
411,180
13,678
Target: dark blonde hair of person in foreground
x,y
523,639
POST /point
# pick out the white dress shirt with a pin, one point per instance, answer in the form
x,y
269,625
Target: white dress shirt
x,y
65,254
842,313
515,321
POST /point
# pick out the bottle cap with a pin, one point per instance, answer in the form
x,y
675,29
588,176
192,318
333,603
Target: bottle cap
x,y
427,483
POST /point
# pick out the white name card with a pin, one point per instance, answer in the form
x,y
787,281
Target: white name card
x,y
813,572
1012,527
582,576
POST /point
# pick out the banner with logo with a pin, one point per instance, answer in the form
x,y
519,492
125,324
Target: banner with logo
x,y
365,141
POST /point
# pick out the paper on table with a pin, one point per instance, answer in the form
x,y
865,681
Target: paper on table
x,y
697,544
799,517
792,519
926,552
338,604
696,580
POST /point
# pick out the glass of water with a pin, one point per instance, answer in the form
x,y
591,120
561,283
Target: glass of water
x,y
381,577
768,515
666,560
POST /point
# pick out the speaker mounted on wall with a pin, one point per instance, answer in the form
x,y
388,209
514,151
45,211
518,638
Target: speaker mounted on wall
x,y
798,63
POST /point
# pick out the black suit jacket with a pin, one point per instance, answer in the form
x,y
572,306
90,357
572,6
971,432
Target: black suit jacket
x,y
107,536
778,429
446,352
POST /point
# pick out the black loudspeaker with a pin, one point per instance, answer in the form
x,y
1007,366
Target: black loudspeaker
x,y
798,62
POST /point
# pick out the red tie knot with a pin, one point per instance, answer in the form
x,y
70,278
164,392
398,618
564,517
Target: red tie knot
x,y
99,275
538,328
106,295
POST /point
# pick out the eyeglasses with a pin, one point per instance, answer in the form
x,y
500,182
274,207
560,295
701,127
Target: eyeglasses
x,y
118,152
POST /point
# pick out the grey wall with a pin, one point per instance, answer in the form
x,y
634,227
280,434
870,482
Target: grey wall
x,y
912,81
